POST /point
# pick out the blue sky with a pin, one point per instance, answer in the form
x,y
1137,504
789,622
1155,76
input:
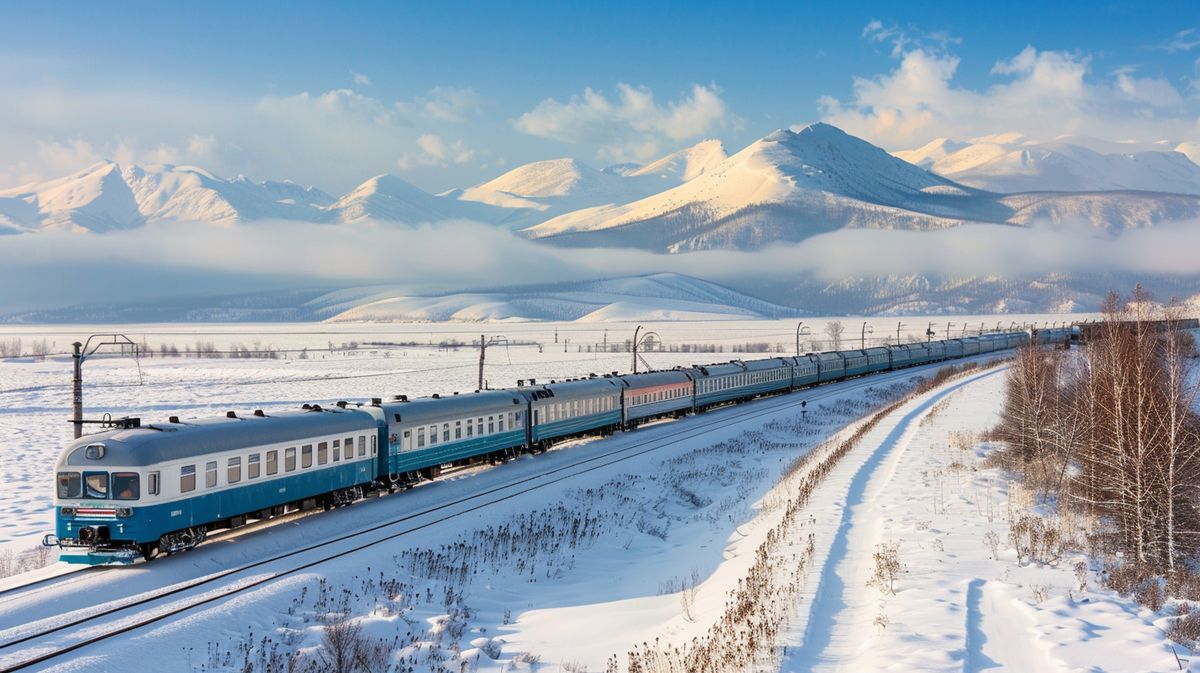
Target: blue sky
x,y
447,94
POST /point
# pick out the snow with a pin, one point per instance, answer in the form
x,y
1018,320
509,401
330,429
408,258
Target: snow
x,y
955,607
787,186
655,297
1015,163
799,182
690,511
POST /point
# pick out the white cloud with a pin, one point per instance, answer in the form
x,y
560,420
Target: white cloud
x,y
360,79
1185,40
435,151
631,127
452,104
1042,94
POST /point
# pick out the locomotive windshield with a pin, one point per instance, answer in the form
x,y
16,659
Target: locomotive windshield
x,y
96,484
70,485
125,485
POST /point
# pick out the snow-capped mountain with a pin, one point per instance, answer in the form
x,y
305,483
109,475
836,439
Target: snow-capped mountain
x,y
662,296
655,297
1013,163
795,183
95,199
190,193
541,190
787,186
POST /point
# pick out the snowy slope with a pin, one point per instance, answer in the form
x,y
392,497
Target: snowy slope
x,y
787,186
541,190
685,164
654,297
94,199
793,184
1013,163
190,193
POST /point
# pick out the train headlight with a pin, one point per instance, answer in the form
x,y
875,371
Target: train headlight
x,y
68,511
124,512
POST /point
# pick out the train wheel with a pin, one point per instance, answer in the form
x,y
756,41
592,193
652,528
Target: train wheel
x,y
149,551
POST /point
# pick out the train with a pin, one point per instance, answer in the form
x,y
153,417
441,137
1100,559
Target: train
x,y
139,490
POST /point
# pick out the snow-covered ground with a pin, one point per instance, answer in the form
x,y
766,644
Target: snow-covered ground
x,y
643,541
35,396
917,482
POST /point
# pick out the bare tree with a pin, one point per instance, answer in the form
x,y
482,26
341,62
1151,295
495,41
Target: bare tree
x,y
834,329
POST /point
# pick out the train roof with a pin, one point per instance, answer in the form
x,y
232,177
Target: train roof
x,y
768,363
719,369
572,390
655,378
430,409
159,443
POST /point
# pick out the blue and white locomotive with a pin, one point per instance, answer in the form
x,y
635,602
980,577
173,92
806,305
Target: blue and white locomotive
x,y
147,489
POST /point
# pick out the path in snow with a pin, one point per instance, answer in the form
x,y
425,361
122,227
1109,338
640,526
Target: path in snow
x,y
909,482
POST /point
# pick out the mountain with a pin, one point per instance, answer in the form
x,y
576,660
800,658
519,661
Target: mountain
x,y
796,183
190,193
787,186
541,190
663,296
387,197
1014,163
657,297
95,199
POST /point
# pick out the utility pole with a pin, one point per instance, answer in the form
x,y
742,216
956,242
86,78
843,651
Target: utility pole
x,y
483,344
637,341
82,352
798,333
929,333
862,341
948,326
898,326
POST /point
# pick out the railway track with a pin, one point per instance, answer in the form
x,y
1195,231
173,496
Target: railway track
x,y
324,551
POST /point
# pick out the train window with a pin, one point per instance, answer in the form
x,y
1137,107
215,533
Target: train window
x,y
289,459
253,465
491,424
322,454
70,484
273,461
433,436
445,432
500,423
234,470
470,428
210,474
479,426
152,483
95,484
187,478
126,486
362,445
457,429
420,437
306,454
337,450
372,446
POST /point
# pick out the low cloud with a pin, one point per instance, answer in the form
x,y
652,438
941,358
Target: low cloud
x,y
633,126
50,270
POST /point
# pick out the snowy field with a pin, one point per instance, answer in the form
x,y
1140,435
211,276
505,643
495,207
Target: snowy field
x,y
647,547
35,396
